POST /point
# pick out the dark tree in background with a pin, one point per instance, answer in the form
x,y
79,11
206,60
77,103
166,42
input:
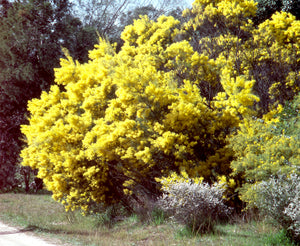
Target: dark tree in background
x,y
32,33
266,8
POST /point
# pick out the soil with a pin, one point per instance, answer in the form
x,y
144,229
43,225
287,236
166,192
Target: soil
x,y
10,236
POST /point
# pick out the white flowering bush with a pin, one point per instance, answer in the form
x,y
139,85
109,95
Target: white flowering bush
x,y
280,199
193,203
293,212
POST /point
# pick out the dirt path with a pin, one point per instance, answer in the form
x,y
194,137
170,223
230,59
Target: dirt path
x,y
10,236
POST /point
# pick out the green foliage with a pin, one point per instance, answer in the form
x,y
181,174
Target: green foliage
x,y
288,122
265,147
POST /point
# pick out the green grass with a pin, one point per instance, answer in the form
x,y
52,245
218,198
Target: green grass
x,y
41,215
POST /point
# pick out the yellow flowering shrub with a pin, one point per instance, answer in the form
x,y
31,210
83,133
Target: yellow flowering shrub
x,y
113,124
161,104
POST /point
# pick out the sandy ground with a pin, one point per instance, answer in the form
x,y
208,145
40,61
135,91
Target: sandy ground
x,y
10,236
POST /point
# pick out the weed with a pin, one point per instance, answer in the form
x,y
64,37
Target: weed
x,y
158,216
279,239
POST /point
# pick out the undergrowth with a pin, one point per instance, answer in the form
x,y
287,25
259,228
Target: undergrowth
x,y
41,215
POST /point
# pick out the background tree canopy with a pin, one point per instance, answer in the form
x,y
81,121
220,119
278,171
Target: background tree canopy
x,y
31,36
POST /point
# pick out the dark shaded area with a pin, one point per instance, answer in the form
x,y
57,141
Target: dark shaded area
x,y
266,8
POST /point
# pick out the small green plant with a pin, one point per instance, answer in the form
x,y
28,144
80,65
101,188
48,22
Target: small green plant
x,y
158,216
280,239
185,232
109,215
133,218
71,217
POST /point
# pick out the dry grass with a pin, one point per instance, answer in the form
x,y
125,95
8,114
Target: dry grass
x,y
40,214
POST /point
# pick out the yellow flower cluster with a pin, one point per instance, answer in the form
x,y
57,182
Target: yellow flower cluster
x,y
175,178
264,58
220,12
